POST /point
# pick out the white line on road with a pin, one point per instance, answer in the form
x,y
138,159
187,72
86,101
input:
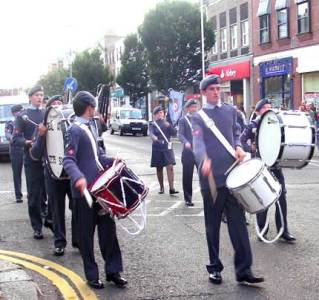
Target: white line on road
x,y
169,209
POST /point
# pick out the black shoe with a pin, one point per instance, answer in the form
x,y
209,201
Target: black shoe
x,y
215,277
48,224
75,245
59,251
250,279
189,203
96,284
117,279
173,191
37,235
288,237
161,191
19,200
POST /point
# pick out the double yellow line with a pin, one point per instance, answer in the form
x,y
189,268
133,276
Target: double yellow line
x,y
44,267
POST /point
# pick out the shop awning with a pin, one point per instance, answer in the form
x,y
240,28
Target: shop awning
x,y
281,4
263,8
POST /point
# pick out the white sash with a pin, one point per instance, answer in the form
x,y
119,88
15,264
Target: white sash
x,y
189,123
169,145
211,125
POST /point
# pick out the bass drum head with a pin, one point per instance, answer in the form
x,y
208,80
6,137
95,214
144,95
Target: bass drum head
x,y
244,173
55,139
269,138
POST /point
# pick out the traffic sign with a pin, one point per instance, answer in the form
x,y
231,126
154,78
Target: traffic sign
x,y
70,83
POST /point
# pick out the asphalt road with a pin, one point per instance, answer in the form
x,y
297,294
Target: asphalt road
x,y
167,260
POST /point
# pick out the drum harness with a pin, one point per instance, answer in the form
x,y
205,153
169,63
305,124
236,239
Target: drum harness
x,y
212,126
123,180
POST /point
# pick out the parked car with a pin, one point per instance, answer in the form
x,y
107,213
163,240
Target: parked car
x,y
6,102
128,120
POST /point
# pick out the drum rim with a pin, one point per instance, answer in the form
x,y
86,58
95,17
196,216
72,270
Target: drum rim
x,y
263,166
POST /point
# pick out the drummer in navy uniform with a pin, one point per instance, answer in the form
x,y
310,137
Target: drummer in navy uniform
x,y
57,189
162,153
23,135
16,154
185,135
81,166
248,138
214,160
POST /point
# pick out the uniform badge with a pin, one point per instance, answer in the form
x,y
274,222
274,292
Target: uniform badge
x,y
196,132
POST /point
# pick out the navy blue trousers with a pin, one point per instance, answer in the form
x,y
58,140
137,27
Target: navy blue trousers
x,y
188,162
86,219
237,230
36,191
16,156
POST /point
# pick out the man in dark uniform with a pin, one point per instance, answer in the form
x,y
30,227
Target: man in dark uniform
x,y
185,135
161,132
248,138
57,189
16,154
213,160
23,135
83,167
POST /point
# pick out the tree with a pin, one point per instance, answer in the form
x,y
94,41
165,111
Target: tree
x,y
53,81
134,74
89,70
171,34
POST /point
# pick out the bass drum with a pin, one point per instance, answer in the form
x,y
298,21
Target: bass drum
x,y
57,119
286,139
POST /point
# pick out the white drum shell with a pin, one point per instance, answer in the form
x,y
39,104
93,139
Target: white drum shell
x,y
259,193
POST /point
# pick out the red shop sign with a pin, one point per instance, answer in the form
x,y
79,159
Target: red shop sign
x,y
232,72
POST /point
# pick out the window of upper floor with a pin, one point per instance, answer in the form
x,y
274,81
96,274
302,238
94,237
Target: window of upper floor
x,y
264,21
303,16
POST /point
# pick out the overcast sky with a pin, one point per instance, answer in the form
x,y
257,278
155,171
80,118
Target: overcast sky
x,y
35,33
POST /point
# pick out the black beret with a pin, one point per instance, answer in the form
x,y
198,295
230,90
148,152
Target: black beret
x,y
85,98
261,103
157,109
54,98
16,108
35,89
190,102
212,79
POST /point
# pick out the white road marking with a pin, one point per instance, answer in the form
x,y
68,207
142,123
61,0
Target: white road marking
x,y
169,209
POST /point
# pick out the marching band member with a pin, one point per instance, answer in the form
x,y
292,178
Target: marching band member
x,y
185,136
248,138
56,189
23,134
82,167
162,152
16,154
213,160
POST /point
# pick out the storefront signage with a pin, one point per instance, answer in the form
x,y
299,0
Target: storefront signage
x,y
232,72
277,67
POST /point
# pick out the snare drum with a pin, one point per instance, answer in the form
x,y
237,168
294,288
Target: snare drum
x,y
57,119
118,190
253,186
286,139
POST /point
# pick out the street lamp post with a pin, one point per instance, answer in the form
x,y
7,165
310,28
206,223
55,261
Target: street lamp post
x,y
202,36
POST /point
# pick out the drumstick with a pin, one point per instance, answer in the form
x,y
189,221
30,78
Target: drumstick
x,y
88,197
26,118
232,167
212,183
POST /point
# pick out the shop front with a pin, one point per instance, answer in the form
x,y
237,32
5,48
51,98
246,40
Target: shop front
x,y
235,87
275,79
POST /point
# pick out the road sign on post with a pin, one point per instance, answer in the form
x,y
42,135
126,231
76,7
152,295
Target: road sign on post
x,y
70,84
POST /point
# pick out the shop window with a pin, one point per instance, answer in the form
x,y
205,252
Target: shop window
x,y
223,39
282,22
264,29
303,16
233,36
277,89
244,33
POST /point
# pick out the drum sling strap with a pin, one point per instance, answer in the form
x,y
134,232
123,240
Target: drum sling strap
x,y
189,123
169,145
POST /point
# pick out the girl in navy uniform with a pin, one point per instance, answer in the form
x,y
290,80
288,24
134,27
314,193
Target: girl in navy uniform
x,y
162,152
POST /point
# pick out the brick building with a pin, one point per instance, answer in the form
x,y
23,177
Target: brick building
x,y
285,43
231,56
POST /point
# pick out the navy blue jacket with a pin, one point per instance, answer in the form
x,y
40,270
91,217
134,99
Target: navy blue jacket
x,y
24,130
248,136
79,161
185,134
206,144
159,143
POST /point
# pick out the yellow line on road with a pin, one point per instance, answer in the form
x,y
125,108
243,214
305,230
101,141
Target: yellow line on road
x,y
66,290
82,287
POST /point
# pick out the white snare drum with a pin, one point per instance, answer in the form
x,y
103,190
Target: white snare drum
x,y
253,185
286,139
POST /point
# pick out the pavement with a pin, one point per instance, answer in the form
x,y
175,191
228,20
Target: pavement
x,y
167,260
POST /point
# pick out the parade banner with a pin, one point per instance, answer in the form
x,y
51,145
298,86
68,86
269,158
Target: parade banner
x,y
175,105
